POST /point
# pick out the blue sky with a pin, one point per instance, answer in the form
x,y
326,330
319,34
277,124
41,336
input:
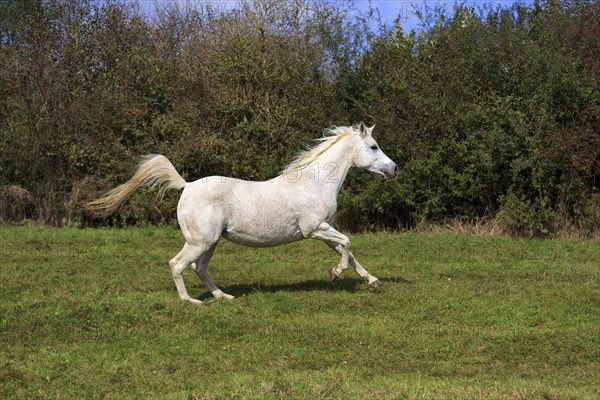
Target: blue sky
x,y
391,9
388,9
405,9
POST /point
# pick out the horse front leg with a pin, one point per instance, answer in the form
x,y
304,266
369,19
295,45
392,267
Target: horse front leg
x,y
328,234
340,243
334,273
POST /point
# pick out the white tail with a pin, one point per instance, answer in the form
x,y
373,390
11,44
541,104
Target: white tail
x,y
153,170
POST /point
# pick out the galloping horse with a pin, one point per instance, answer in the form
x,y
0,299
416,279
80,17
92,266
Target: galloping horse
x,y
299,203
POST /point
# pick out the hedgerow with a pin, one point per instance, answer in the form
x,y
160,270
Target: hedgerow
x,y
490,112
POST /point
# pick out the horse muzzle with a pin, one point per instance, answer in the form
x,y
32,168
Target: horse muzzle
x,y
391,172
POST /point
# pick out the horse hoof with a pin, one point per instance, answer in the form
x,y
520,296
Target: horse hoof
x,y
376,284
194,301
332,275
219,294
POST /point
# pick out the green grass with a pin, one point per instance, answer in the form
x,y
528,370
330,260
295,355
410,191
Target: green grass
x,y
94,314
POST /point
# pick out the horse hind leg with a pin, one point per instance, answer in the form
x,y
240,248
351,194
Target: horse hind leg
x,y
201,268
179,263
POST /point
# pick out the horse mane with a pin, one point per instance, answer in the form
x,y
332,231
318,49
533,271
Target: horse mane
x,y
330,137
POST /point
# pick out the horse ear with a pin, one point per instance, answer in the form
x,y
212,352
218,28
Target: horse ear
x,y
363,130
371,130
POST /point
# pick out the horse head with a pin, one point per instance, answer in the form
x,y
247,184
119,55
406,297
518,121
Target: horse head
x,y
368,154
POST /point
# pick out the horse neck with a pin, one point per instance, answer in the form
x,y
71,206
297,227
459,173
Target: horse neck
x,y
330,169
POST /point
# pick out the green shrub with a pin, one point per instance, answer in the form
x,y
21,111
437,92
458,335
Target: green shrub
x,y
485,111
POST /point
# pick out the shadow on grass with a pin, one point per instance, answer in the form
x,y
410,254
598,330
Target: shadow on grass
x,y
343,284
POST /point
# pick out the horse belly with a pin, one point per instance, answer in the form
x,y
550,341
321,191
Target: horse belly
x,y
262,235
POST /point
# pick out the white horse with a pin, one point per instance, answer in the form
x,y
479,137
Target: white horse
x,y
298,204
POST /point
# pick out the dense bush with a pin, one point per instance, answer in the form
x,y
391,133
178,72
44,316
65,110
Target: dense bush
x,y
491,112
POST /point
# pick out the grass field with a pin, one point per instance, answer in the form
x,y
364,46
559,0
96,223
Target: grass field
x,y
94,314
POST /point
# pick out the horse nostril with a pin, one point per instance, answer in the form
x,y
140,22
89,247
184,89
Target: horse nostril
x,y
395,169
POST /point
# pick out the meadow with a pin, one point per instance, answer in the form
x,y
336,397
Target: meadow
x,y
93,313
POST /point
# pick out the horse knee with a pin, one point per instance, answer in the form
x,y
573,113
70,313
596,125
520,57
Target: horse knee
x,y
344,243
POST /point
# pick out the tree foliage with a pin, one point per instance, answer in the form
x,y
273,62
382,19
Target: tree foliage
x,y
488,112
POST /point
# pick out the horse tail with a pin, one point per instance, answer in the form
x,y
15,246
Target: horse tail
x,y
154,170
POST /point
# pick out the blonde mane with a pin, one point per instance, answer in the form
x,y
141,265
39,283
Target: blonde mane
x,y
330,137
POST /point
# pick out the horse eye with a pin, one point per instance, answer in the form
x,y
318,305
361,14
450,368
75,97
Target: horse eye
x,y
374,147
